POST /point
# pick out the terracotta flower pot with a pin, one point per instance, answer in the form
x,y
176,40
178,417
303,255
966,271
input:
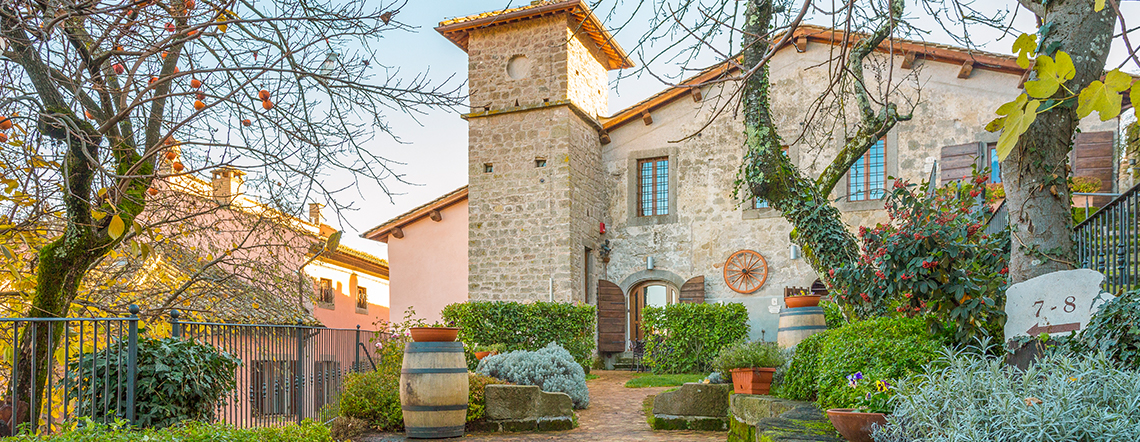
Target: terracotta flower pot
x,y
755,380
482,354
434,334
802,301
855,426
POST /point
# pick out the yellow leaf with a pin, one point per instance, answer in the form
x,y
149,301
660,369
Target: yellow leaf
x,y
1024,47
116,228
255,305
1050,74
996,124
1019,114
1098,5
1134,95
1104,98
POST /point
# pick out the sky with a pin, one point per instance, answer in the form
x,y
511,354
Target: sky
x,y
433,146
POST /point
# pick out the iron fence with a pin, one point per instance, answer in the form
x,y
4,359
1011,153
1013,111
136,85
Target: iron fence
x,y
287,372
1107,241
69,380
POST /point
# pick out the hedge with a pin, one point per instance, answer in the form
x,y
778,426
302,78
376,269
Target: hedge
x,y
888,349
685,337
529,327
801,382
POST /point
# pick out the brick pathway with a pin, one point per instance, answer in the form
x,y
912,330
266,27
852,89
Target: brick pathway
x,y
614,414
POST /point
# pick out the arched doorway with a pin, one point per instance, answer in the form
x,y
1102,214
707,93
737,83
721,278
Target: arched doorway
x,y
647,294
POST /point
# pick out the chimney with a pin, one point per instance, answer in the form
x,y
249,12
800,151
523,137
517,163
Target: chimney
x,y
227,184
315,213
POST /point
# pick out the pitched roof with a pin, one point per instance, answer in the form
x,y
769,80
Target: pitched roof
x,y
458,30
216,295
806,34
381,232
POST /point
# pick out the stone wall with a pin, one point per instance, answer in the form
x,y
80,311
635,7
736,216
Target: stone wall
x,y
709,224
533,220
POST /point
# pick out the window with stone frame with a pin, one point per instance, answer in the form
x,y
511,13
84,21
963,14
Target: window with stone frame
x,y
653,186
325,291
867,179
361,298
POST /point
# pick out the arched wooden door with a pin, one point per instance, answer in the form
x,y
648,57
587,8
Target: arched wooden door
x,y
611,317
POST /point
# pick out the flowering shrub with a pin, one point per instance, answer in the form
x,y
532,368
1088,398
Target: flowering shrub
x,y
931,260
551,368
973,396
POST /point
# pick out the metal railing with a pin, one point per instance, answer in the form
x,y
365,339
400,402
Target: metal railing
x,y
287,372
69,377
1107,241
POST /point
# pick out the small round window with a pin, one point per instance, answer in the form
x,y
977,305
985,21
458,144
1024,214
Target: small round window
x,y
518,67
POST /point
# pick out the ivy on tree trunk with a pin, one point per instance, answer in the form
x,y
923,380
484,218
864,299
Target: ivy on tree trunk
x,y
767,173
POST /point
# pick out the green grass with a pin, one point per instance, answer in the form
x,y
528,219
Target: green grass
x,y
591,377
662,380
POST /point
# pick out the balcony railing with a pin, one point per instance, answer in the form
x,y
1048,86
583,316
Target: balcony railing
x,y
1107,241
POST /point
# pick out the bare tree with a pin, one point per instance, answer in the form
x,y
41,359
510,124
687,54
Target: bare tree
x,y
107,99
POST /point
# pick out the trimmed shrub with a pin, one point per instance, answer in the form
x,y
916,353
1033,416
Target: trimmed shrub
x,y
517,326
94,431
552,369
685,337
975,397
178,380
887,349
801,380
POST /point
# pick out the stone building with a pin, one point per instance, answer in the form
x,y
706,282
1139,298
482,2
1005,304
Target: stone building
x,y
637,208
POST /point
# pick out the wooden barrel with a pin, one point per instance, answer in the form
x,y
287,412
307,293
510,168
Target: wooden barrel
x,y
796,324
433,389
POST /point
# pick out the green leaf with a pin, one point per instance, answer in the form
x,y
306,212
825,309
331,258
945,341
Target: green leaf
x,y
1050,74
1024,47
334,241
117,227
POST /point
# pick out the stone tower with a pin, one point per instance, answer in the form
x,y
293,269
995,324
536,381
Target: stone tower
x,y
538,83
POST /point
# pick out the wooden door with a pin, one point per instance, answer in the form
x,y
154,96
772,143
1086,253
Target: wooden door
x,y
611,317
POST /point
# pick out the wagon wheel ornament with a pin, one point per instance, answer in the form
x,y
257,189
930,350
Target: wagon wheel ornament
x,y
745,271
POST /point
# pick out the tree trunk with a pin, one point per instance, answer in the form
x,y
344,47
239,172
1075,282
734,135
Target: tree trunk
x,y
818,229
1036,171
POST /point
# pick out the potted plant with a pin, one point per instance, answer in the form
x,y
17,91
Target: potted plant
x,y
752,365
797,299
437,332
482,351
870,410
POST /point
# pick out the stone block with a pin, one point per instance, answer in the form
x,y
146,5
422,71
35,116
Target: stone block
x,y
694,399
560,424
525,402
758,418
511,426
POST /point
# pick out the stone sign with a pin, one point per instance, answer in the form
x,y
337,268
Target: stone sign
x,y
1054,303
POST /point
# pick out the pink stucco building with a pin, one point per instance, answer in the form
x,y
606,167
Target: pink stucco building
x,y
427,255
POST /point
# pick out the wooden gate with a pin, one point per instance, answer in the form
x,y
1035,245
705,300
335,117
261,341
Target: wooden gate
x,y
611,317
